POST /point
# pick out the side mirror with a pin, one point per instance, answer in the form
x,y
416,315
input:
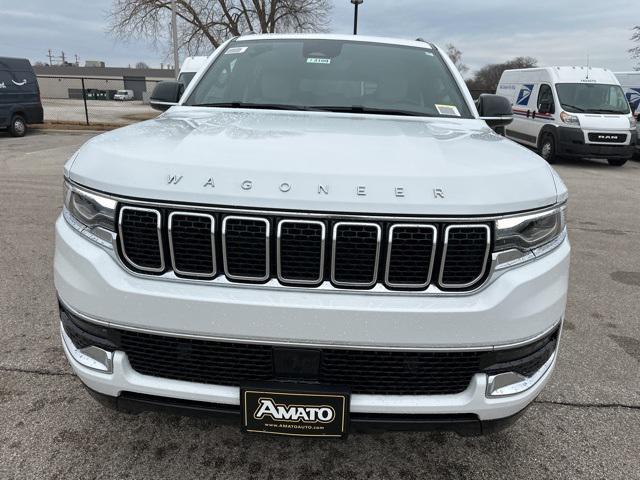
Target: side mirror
x,y
495,110
546,107
166,95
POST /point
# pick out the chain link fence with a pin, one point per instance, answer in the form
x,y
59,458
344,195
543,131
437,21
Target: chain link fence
x,y
91,100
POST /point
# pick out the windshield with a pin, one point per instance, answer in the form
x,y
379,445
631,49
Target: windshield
x,y
592,98
186,77
121,92
331,75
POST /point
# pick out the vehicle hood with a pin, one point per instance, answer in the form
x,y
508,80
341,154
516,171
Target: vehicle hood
x,y
594,121
316,161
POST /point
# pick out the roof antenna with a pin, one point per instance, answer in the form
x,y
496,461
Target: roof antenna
x,y
588,65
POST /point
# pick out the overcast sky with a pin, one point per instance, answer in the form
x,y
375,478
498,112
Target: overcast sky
x,y
556,32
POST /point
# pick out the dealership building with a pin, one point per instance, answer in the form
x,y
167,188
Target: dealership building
x,y
99,82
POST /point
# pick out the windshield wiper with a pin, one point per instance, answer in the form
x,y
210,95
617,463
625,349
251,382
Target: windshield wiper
x,y
604,110
256,106
578,109
373,110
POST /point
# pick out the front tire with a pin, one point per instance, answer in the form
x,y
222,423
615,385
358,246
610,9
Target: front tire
x,y
547,148
617,162
18,126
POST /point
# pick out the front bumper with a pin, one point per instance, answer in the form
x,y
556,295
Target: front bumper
x,y
571,143
515,307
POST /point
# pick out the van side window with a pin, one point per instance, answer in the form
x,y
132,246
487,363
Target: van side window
x,y
546,96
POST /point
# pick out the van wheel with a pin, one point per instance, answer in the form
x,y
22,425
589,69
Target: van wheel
x,y
617,162
17,127
548,148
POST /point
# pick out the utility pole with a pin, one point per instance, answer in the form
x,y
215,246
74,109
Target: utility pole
x,y
50,55
174,29
356,4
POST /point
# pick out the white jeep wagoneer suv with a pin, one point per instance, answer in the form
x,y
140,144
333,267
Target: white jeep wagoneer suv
x,y
322,232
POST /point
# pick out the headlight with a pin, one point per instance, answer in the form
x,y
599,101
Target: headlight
x,y
525,237
570,119
90,213
633,123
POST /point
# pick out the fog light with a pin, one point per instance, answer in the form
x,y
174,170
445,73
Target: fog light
x,y
92,357
512,383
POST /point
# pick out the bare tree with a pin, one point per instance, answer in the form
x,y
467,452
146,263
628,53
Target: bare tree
x,y
635,51
141,65
488,77
204,24
456,57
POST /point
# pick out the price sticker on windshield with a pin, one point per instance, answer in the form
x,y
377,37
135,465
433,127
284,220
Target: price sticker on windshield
x,y
450,110
319,61
236,50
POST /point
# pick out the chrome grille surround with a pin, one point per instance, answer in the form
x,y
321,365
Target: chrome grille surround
x,y
225,253
374,279
432,256
172,252
158,215
443,262
323,237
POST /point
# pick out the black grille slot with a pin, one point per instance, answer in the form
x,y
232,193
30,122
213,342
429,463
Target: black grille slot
x,y
301,251
140,238
192,244
197,360
465,256
608,137
355,254
246,248
400,373
410,255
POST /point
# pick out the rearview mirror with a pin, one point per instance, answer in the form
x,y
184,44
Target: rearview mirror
x,y
495,110
166,95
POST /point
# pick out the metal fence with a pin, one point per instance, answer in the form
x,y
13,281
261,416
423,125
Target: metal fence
x,y
90,100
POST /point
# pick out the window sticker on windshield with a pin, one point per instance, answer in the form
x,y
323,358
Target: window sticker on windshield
x,y
429,54
321,61
233,50
450,110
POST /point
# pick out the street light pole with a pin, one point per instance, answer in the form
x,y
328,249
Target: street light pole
x,y
356,4
174,33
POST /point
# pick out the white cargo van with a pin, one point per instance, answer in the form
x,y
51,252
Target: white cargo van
x,y
570,111
190,67
630,82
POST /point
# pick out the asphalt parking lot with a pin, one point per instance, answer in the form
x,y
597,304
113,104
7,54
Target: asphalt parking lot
x,y
586,424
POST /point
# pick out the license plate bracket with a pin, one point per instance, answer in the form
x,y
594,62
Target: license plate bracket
x,y
295,410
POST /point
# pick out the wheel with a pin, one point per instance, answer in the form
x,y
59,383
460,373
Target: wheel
x,y
617,162
548,148
17,127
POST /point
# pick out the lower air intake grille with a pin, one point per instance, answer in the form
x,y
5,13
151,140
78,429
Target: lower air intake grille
x,y
246,248
192,244
355,256
465,257
140,238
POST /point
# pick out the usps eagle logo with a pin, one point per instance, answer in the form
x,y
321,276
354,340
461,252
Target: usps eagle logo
x,y
633,95
525,95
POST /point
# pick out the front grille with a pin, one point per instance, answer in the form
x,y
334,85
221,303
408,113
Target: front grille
x,y
307,252
608,137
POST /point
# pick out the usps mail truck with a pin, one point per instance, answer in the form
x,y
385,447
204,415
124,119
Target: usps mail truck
x,y
630,82
579,112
